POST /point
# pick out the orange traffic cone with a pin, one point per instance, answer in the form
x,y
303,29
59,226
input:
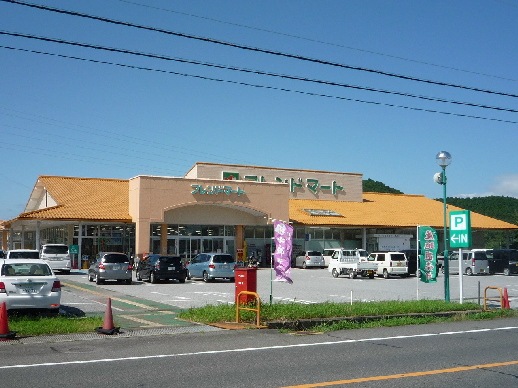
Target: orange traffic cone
x,y
5,334
108,326
506,300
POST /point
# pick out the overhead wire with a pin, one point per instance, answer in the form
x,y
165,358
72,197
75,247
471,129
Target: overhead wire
x,y
316,40
158,147
283,89
256,49
235,68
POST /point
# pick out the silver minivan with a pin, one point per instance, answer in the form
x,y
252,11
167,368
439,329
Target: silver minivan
x,y
473,262
210,266
57,257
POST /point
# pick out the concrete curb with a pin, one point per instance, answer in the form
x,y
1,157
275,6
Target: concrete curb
x,y
306,324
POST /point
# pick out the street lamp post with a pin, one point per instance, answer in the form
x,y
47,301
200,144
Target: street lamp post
x,y
443,159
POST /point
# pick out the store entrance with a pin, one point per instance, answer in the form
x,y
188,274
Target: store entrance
x,y
188,247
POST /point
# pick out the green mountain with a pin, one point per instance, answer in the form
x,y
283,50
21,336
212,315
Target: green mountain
x,y
499,207
373,186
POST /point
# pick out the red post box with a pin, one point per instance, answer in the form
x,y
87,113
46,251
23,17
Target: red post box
x,y
246,280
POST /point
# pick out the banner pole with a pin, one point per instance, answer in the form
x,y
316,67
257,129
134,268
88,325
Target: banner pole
x,y
271,264
418,269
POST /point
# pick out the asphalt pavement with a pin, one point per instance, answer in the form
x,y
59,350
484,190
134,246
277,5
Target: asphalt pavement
x,y
143,309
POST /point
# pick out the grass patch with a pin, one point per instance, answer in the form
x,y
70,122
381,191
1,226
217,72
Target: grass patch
x,y
402,321
295,311
27,326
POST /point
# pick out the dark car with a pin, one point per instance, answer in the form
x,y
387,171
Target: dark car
x,y
161,267
411,255
110,266
502,261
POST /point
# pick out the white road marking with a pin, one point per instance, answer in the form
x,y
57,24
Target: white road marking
x,y
243,350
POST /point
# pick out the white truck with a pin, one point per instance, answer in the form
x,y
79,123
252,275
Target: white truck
x,y
351,262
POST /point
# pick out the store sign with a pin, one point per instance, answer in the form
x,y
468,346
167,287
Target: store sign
x,y
313,185
460,229
216,190
428,258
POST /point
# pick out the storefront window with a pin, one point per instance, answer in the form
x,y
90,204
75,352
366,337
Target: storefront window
x,y
212,230
172,230
156,230
189,230
91,230
318,234
249,232
230,230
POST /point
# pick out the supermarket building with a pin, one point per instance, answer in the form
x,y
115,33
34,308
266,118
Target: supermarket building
x,y
224,208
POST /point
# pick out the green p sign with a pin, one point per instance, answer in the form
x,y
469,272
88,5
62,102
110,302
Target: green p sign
x,y
460,229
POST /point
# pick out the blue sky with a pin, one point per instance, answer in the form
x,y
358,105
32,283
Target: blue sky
x,y
69,117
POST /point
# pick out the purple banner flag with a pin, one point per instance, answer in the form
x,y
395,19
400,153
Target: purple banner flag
x,y
283,235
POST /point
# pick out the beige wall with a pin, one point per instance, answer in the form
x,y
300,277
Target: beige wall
x,y
171,200
352,183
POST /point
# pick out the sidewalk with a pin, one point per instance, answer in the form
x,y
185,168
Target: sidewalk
x,y
135,317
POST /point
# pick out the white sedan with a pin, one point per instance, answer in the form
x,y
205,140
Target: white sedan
x,y
29,284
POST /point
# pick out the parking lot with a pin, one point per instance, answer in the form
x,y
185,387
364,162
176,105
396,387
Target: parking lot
x,y
309,286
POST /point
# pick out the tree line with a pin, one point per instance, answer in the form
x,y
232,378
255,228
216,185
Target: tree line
x,y
498,207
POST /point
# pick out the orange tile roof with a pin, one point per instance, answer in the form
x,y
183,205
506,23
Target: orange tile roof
x,y
95,199
91,199
386,210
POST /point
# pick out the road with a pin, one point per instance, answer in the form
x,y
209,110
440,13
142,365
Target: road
x,y
457,354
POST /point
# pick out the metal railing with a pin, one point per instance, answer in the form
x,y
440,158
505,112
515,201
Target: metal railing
x,y
501,299
256,309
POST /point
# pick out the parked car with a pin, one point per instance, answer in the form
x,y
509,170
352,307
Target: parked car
x,y
473,262
23,254
310,259
351,262
411,256
390,263
210,266
328,252
502,261
2,254
161,267
56,256
29,284
110,266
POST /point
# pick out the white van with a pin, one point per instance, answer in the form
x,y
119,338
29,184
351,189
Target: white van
x,y
473,262
390,263
56,256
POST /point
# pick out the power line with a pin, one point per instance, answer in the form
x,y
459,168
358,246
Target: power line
x,y
255,49
281,89
318,41
129,139
235,68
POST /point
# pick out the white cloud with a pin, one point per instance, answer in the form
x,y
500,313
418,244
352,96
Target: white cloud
x,y
506,185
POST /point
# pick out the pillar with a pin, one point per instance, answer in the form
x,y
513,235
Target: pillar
x,y
142,237
38,225
240,236
163,239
